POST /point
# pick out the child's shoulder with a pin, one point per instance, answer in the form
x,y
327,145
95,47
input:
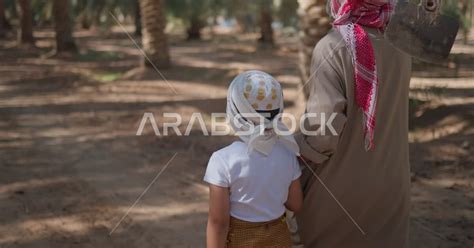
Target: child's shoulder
x,y
236,148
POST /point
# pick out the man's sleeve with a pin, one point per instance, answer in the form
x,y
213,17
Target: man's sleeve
x,y
326,96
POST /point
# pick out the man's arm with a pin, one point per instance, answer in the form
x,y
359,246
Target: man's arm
x,y
326,96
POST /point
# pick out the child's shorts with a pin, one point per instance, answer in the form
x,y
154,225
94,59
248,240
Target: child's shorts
x,y
272,233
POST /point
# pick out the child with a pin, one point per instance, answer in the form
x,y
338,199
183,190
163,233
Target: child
x,y
253,180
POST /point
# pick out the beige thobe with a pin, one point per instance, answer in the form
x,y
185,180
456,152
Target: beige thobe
x,y
373,186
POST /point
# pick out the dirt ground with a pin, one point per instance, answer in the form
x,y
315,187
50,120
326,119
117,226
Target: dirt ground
x,y
71,164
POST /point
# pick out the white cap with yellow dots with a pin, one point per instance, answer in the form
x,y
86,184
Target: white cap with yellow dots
x,y
263,91
256,91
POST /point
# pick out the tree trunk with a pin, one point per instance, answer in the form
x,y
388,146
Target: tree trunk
x,y
138,21
214,16
63,27
464,12
154,39
194,30
25,36
84,16
266,30
471,16
96,14
3,30
314,24
84,21
12,10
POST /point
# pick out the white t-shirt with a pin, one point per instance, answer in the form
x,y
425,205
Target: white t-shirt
x,y
258,184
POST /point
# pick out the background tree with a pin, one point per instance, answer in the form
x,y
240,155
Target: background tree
x,y
3,19
137,18
459,9
25,34
465,20
314,24
216,9
265,21
82,9
287,12
63,27
42,13
196,23
245,13
154,39
97,12
193,13
7,6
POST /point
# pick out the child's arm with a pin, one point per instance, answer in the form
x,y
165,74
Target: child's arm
x,y
218,220
295,196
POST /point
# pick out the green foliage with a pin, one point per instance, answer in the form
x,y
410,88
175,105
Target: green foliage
x,y
10,9
246,12
88,13
453,8
93,55
42,11
187,10
107,76
287,12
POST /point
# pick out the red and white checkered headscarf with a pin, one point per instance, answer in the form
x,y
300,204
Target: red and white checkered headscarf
x,y
350,16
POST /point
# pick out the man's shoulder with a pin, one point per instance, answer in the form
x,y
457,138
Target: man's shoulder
x,y
331,42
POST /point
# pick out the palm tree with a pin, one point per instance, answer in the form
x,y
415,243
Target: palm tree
x,y
83,13
265,21
155,43
286,12
2,19
193,13
25,36
63,27
464,8
314,25
138,19
195,26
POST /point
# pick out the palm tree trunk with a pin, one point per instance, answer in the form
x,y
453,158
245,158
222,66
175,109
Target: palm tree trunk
x,y
155,43
464,12
98,9
194,30
266,30
84,16
315,23
2,19
25,36
63,27
138,21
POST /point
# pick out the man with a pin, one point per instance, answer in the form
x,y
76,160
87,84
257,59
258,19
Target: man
x,y
364,80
